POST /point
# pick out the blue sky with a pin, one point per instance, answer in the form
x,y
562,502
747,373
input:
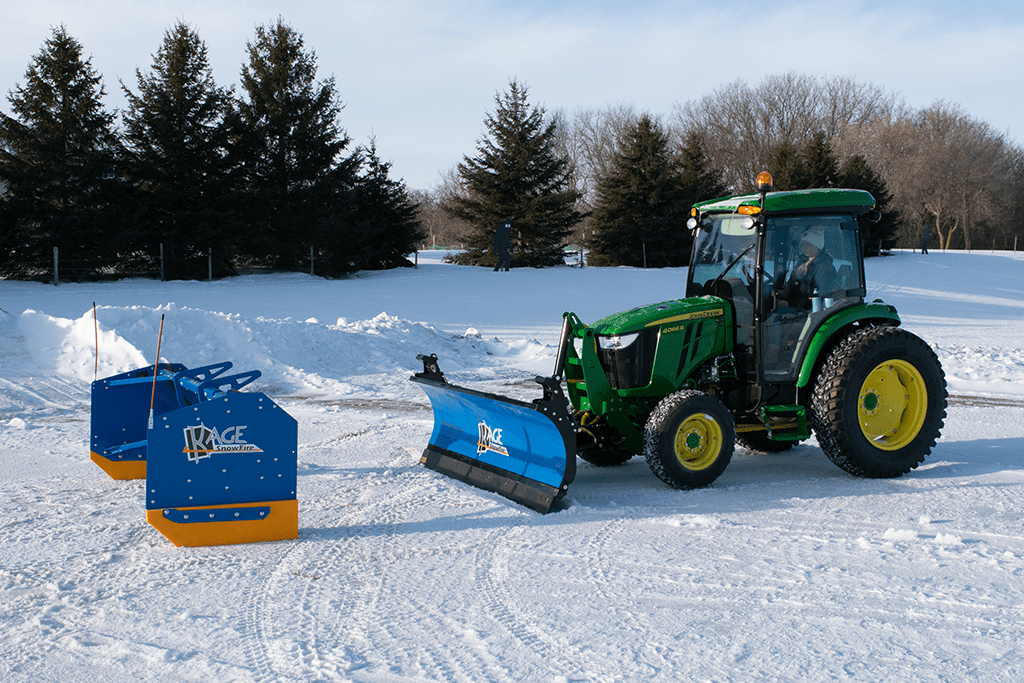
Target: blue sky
x,y
421,75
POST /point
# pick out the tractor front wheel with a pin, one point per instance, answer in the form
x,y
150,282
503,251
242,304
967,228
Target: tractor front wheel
x,y
688,439
879,402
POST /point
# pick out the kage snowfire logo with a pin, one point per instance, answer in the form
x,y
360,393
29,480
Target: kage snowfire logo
x,y
490,440
202,442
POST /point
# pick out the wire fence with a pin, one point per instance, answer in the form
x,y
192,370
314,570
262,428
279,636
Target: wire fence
x,y
62,268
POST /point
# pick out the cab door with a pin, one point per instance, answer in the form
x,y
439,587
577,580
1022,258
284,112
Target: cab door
x,y
798,292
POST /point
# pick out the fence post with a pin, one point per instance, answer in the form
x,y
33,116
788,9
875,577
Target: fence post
x,y
56,271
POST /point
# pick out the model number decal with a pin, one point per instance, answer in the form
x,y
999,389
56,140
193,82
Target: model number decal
x,y
696,315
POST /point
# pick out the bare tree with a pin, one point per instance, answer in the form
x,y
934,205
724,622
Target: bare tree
x,y
946,168
596,134
589,138
743,127
442,229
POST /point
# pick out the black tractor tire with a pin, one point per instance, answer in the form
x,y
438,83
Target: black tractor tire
x,y
879,402
760,443
689,439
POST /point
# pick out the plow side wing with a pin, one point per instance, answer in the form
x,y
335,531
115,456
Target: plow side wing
x,y
523,451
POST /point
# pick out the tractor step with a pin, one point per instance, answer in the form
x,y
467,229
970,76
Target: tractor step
x,y
786,422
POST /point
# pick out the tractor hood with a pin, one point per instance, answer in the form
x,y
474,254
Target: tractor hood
x,y
655,315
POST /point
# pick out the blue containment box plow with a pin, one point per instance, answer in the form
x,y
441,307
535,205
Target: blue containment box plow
x,y
220,464
120,415
223,471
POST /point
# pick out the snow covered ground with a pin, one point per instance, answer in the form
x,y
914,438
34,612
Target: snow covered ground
x,y
786,569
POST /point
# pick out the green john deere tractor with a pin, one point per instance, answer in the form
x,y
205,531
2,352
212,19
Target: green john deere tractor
x,y
773,339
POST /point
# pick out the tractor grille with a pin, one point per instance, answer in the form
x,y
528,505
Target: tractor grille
x,y
628,363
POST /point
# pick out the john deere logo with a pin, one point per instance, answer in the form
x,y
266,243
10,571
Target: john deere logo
x,y
490,440
202,442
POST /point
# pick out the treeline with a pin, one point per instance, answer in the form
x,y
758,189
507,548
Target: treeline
x,y
634,175
194,173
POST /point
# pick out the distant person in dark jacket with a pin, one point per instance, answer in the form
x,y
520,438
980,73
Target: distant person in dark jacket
x,y
925,239
503,245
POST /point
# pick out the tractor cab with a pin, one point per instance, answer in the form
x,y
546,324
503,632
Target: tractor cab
x,y
786,265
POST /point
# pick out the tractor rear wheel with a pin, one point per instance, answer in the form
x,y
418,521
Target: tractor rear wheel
x,y
688,439
879,402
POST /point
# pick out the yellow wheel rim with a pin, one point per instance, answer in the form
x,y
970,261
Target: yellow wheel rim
x,y
892,405
698,442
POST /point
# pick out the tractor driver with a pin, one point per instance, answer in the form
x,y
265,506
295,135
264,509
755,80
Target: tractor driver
x,y
815,275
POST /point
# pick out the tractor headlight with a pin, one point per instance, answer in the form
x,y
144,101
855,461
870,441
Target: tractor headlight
x,y
618,341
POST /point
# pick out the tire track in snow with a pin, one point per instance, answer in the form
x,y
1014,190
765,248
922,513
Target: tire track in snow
x,y
400,620
550,657
338,598
423,636
255,608
613,593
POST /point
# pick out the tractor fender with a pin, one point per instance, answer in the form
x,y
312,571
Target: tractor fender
x,y
875,313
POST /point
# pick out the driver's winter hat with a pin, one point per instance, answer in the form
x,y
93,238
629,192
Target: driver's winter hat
x,y
815,236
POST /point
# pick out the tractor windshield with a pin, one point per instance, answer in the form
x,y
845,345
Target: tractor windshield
x,y
724,248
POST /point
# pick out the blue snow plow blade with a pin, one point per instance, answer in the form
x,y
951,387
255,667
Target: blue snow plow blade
x,y
523,451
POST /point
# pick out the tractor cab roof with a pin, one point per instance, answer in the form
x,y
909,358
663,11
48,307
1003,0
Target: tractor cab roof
x,y
796,201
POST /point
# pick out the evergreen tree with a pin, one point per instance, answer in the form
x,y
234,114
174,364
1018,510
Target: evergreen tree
x,y
57,161
821,169
788,169
517,175
386,217
879,235
698,178
370,223
336,245
177,140
641,206
802,168
291,144
815,166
